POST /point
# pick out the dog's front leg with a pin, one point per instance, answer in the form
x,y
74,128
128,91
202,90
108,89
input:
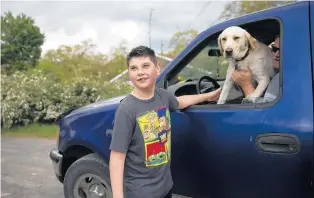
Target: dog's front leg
x,y
262,86
228,84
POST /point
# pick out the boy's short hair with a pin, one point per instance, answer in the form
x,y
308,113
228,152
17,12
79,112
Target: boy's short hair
x,y
141,51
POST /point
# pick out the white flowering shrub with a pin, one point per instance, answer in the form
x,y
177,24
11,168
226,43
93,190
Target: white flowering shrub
x,y
37,97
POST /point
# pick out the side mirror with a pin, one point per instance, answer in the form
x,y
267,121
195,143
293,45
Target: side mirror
x,y
214,52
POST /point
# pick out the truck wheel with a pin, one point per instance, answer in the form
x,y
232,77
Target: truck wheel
x,y
88,177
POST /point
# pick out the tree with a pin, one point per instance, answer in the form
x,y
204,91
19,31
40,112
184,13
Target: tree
x,y
117,63
21,42
238,8
83,60
179,41
71,61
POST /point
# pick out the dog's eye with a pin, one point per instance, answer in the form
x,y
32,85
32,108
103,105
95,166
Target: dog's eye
x,y
224,39
236,38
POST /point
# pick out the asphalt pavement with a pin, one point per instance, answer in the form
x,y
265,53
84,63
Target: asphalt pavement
x,y
26,169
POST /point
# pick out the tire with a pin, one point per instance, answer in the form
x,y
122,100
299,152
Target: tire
x,y
89,174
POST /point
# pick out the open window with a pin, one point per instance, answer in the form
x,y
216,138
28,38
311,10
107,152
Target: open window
x,y
204,68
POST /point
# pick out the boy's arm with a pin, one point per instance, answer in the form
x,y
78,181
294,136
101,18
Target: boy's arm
x,y
188,100
116,168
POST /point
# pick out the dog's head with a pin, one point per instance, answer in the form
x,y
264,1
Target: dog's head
x,y
234,42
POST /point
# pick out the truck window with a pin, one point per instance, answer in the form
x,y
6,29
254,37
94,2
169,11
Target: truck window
x,y
214,66
208,61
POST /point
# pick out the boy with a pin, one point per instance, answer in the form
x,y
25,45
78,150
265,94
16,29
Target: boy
x,y
140,147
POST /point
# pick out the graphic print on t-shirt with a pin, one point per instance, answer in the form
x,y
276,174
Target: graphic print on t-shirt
x,y
156,131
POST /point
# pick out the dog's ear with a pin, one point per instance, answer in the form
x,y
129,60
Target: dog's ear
x,y
219,44
252,40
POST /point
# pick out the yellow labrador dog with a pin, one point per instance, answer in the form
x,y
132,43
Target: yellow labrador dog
x,y
243,51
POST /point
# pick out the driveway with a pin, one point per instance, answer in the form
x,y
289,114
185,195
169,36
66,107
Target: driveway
x,y
26,170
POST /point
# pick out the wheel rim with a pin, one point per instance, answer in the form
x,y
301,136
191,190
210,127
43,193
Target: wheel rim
x,y
91,186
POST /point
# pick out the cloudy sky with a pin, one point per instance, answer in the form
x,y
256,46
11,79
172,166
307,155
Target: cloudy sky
x,y
106,23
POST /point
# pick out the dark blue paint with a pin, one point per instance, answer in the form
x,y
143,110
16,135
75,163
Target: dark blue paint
x,y
213,149
222,153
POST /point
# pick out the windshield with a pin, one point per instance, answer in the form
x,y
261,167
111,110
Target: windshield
x,y
205,65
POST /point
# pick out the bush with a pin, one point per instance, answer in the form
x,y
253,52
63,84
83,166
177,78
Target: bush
x,y
37,97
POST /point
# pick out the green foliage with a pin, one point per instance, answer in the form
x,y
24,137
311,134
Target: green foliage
x,y
32,130
68,62
36,97
67,77
21,42
179,41
117,63
79,60
238,8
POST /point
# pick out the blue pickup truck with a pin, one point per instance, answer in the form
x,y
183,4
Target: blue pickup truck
x,y
232,150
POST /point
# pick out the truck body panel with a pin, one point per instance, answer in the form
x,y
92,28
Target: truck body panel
x,y
222,159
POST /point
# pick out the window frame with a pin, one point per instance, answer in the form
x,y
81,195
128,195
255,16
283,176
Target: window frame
x,y
201,45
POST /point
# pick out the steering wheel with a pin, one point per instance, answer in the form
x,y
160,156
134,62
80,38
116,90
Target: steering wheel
x,y
198,86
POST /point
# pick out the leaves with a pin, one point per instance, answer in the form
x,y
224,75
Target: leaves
x,y
29,97
238,8
179,41
82,59
21,42
66,77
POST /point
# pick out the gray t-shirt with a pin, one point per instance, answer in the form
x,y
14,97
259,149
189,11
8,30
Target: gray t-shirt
x,y
142,130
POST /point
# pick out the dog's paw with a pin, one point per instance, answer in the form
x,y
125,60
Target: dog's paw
x,y
221,102
251,98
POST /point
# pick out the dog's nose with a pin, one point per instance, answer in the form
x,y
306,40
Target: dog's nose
x,y
228,51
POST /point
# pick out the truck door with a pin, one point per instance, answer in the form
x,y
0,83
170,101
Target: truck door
x,y
251,150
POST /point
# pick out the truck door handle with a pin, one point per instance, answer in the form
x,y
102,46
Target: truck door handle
x,y
278,143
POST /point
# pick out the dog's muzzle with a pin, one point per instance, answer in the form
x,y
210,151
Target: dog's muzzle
x,y
228,52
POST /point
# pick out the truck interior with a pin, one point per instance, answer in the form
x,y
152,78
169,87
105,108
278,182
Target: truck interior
x,y
204,69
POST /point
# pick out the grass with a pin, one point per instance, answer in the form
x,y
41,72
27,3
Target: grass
x,y
32,130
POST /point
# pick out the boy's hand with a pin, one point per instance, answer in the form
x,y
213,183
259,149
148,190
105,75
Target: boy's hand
x,y
187,100
214,95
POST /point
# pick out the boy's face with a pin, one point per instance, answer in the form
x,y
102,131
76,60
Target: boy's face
x,y
143,72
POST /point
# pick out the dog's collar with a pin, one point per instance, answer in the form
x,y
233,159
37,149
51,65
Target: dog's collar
x,y
245,55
